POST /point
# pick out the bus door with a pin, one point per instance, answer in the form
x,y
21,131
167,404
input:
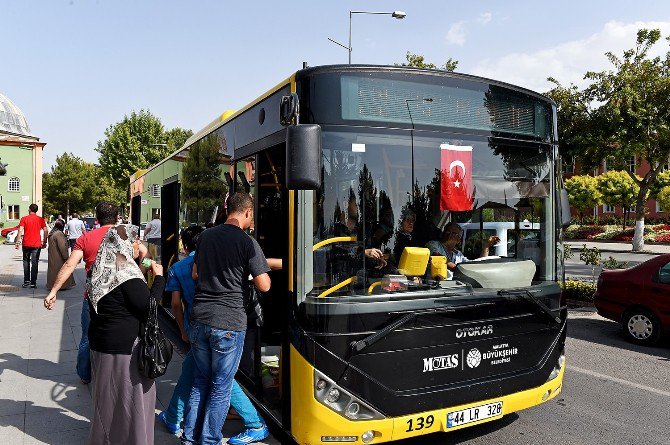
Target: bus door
x,y
169,224
263,176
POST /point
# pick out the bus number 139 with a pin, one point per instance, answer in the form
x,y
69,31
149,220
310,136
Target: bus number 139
x,y
421,423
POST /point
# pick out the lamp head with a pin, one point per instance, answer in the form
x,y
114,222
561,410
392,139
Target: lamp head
x,y
398,15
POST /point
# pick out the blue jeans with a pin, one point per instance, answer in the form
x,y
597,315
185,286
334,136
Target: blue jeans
x,y
216,354
84,354
238,399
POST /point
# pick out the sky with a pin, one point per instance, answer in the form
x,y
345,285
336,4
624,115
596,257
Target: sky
x,y
75,67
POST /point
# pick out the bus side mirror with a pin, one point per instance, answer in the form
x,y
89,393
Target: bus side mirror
x,y
303,157
566,216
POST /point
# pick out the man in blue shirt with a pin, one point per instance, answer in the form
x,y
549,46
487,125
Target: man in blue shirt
x,y
182,286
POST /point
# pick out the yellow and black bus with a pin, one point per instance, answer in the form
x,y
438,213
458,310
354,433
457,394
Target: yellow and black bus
x,y
354,170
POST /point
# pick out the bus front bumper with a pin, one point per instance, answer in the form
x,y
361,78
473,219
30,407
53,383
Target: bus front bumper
x,y
313,423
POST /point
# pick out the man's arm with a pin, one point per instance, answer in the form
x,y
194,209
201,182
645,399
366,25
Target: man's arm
x,y
178,312
45,234
19,238
194,272
262,282
63,274
275,263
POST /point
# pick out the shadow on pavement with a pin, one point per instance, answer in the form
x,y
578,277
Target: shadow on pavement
x,y
610,333
52,420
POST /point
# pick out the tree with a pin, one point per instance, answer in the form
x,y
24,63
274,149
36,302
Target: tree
x,y
634,115
202,188
419,61
76,185
138,141
574,119
64,189
583,194
618,190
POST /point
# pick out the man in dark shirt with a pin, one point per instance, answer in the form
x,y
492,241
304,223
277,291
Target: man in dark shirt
x,y
226,257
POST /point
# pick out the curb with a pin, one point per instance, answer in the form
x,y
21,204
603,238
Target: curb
x,y
576,245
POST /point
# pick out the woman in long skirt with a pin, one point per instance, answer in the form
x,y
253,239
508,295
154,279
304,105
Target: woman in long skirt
x,y
118,296
58,255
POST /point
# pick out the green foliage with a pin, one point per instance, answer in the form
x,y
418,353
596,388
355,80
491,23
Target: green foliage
x,y
202,187
74,185
618,189
662,180
591,257
573,118
663,198
567,252
579,290
583,193
138,141
613,263
419,61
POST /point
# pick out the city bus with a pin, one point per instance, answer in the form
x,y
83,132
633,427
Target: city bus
x,y
362,342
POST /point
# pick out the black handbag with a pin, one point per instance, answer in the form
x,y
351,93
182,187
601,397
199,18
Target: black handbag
x,y
253,308
155,349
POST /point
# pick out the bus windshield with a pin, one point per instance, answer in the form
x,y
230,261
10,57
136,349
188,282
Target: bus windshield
x,y
383,190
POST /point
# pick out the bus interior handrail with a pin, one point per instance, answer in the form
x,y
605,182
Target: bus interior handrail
x,y
338,286
337,239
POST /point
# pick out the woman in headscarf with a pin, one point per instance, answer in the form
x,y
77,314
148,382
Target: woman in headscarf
x,y
118,297
58,254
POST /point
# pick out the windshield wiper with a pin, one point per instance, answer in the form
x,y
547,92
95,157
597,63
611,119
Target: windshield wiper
x,y
528,296
358,346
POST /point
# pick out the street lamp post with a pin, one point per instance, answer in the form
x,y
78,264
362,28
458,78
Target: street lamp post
x,y
395,14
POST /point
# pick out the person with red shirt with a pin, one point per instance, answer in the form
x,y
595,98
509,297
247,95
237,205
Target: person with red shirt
x,y
32,240
86,248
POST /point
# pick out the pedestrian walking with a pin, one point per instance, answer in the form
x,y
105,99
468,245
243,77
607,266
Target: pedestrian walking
x,y
33,238
75,228
57,256
85,248
224,259
118,297
152,234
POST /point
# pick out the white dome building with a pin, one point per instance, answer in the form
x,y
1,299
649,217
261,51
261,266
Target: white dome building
x,y
21,155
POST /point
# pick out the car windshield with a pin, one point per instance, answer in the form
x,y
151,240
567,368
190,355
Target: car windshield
x,y
382,192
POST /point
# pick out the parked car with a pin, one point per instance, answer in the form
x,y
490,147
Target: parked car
x,y
638,298
4,232
11,236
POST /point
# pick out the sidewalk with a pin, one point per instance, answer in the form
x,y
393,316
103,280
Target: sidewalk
x,y
608,246
42,400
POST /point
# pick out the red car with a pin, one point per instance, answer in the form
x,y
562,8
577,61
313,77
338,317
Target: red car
x,y
4,232
638,298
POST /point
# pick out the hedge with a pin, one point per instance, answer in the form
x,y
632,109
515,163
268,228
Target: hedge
x,y
579,290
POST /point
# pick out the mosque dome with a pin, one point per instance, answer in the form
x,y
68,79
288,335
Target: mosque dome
x,y
12,119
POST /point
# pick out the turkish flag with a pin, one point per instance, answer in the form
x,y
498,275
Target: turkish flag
x,y
455,177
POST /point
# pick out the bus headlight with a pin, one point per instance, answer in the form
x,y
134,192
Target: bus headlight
x,y
341,401
557,369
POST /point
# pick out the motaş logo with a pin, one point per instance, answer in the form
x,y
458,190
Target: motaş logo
x,y
475,331
438,363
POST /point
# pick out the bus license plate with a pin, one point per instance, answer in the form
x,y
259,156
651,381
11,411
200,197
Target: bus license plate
x,y
481,412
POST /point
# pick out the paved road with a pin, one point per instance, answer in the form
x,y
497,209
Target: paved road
x,y
576,269
613,393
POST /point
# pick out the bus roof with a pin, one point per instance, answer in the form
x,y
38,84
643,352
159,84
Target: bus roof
x,y
229,115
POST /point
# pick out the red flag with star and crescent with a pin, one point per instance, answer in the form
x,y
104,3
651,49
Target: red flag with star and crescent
x,y
455,177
